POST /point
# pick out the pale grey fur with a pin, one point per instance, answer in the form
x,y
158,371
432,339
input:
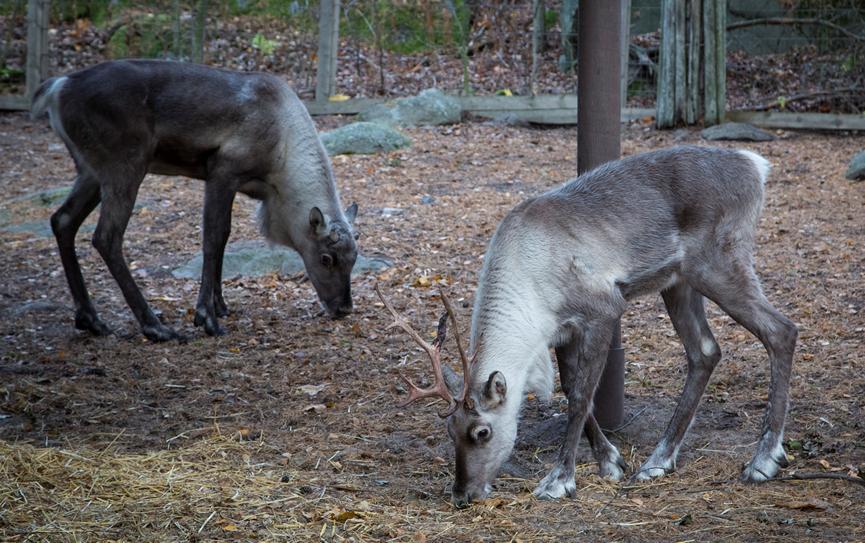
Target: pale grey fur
x,y
559,272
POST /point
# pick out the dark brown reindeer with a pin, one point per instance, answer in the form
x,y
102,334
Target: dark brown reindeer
x,y
559,272
239,132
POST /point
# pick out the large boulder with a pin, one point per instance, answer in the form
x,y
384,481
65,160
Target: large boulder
x,y
256,258
430,107
363,139
856,169
737,132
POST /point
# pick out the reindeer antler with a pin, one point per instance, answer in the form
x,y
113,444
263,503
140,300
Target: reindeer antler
x,y
464,397
439,388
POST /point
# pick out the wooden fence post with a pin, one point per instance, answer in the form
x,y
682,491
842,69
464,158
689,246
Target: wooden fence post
x,y
715,60
328,47
626,48
537,43
36,71
665,100
695,25
687,70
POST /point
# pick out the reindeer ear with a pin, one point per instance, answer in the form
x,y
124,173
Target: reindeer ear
x,y
317,222
495,390
351,213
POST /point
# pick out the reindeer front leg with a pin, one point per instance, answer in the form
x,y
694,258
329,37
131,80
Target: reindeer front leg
x,y
611,465
218,199
585,364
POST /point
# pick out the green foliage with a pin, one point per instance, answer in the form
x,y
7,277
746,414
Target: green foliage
x,y
402,28
263,44
551,18
145,35
849,64
8,74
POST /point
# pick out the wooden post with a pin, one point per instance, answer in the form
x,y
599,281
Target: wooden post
x,y
537,43
626,49
681,65
566,22
599,141
328,48
695,25
36,71
715,59
199,31
666,116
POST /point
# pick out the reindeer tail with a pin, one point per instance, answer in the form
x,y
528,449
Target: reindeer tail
x,y
46,95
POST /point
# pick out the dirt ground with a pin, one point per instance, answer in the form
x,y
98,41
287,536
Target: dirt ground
x,y
287,427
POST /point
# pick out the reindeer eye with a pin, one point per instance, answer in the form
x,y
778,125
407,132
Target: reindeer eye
x,y
480,434
327,260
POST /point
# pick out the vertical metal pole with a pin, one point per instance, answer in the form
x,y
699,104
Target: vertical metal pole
x,y
328,46
598,141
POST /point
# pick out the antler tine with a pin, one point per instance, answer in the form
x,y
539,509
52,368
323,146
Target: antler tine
x,y
463,358
439,388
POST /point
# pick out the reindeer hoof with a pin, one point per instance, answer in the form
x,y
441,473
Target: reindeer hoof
x,y
764,466
656,466
613,467
556,485
210,323
220,306
89,322
160,333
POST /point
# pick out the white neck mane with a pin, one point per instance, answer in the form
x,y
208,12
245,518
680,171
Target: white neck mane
x,y
305,181
512,329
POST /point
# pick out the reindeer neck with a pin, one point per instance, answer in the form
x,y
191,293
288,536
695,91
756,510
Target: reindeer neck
x,y
511,331
305,179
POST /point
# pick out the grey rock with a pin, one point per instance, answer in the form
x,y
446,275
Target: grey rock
x,y
256,258
40,229
391,211
41,305
856,169
736,131
44,198
430,107
363,138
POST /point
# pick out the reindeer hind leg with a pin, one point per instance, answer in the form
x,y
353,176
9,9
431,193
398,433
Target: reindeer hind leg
x,y
734,286
119,189
686,309
65,222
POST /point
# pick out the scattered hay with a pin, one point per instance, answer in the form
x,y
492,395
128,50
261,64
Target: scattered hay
x,y
217,487
207,487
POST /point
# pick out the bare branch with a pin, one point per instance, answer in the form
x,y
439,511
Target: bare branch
x,y
808,476
775,21
805,96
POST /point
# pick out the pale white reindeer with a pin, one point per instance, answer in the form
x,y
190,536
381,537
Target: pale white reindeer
x,y
240,132
559,272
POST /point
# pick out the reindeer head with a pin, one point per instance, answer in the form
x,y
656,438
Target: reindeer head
x,y
478,422
329,252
